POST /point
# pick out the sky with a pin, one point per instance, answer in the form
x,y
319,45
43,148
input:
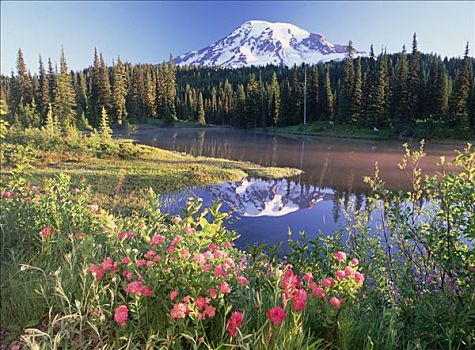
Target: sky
x,y
149,31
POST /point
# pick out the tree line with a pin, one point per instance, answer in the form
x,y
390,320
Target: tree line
x,y
376,91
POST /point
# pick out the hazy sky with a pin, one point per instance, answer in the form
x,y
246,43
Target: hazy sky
x,y
149,31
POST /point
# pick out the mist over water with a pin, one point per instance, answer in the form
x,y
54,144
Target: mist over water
x,y
314,202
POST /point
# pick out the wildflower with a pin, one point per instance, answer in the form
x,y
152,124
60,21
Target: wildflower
x,y
189,230
208,255
96,271
359,278
308,277
156,258
218,254
180,310
140,263
75,190
354,262
299,300
290,283
242,280
171,249
335,302
146,291
174,294
107,264
340,275
177,220
7,194
276,315
210,311
317,291
340,256
46,232
218,271
228,245
349,271
150,254
199,258
225,288
80,235
121,315
184,254
212,293
157,239
201,302
134,287
235,322
212,246
206,267
126,260
149,263
327,282
128,274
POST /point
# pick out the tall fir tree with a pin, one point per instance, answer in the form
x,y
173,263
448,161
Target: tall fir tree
x,y
357,94
314,94
345,102
120,92
44,92
463,83
402,92
201,111
253,102
328,102
274,100
65,98
414,82
105,94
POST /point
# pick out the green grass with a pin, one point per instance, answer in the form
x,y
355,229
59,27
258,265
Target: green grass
x,y
121,183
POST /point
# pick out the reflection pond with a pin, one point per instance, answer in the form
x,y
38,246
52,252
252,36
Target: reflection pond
x,y
265,210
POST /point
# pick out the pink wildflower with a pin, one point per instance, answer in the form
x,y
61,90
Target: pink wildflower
x,y
189,230
212,293
218,271
150,254
349,271
235,322
46,232
299,300
354,262
317,291
107,264
199,258
157,239
276,315
126,260
201,302
184,254
206,267
121,315
174,294
149,263
225,288
308,277
327,282
335,302
75,190
340,256
359,278
180,310
140,263
177,220
208,255
228,245
242,280
210,311
80,235
134,287
340,275
96,271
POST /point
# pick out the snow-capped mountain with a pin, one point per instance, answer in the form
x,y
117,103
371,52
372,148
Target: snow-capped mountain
x,y
260,43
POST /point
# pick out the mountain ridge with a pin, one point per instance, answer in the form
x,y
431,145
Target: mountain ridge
x,y
259,43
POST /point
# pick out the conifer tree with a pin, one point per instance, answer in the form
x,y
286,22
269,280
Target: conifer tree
x,y
201,111
51,80
458,101
241,107
104,126
44,92
344,110
65,98
120,91
314,94
295,109
22,85
401,93
370,81
377,108
328,103
171,87
252,102
274,100
95,86
50,123
357,96
414,82
105,94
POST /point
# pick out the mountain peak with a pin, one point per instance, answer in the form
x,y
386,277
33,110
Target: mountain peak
x,y
258,42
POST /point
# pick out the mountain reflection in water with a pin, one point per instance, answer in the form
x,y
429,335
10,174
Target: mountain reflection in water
x,y
264,210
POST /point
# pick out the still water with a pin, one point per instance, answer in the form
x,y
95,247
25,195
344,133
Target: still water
x,y
265,210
